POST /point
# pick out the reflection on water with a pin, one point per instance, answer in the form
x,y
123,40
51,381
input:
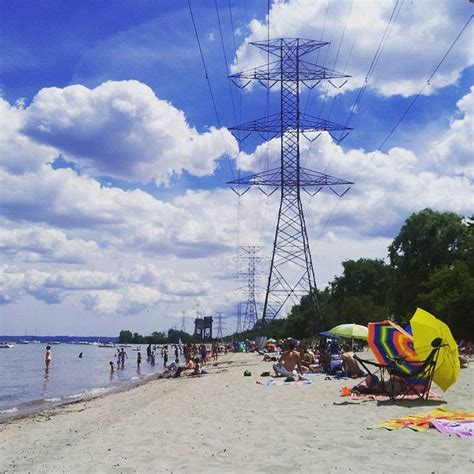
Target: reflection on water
x,y
46,383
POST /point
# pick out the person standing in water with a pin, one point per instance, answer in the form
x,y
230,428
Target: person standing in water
x,y
48,356
139,360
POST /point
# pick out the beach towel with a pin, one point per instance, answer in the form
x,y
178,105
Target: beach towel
x,y
347,392
462,428
423,421
272,382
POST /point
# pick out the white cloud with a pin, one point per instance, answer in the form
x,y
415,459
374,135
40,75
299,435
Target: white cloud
x,y
452,151
131,300
132,252
406,61
122,130
19,154
37,244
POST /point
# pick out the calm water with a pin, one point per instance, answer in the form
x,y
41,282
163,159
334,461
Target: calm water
x,y
25,386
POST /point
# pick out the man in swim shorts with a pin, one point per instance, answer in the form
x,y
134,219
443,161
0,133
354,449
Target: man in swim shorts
x,y
288,362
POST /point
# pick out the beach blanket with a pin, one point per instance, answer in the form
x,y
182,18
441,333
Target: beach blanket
x,y
461,428
272,382
456,422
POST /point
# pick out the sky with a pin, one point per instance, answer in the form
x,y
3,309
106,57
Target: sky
x,y
114,208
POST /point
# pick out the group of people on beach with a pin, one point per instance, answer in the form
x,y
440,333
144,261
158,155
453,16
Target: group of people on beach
x,y
196,356
299,359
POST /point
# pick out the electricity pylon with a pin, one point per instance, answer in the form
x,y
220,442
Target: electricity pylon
x,y
291,272
250,255
220,327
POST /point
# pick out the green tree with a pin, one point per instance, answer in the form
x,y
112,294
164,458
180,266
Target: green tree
x,y
138,338
363,292
426,242
125,337
449,295
174,336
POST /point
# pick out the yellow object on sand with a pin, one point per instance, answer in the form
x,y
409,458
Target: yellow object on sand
x,y
422,421
425,329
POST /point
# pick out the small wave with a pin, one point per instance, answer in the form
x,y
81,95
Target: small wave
x,y
9,410
52,400
87,393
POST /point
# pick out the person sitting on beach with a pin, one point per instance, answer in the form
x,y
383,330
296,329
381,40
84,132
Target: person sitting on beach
x,y
170,370
288,362
350,366
173,366
198,370
188,366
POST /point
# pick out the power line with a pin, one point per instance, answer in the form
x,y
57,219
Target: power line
x,y
206,75
373,64
404,114
412,103
225,59
376,58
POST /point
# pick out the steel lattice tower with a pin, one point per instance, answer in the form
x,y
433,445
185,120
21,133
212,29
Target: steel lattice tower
x,y
220,327
239,318
291,272
250,255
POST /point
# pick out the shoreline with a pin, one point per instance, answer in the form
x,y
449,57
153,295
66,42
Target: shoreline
x,y
225,422
8,415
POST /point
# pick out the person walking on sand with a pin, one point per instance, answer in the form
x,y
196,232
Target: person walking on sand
x,y
48,356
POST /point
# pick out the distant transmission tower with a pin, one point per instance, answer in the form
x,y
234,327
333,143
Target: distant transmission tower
x,y
250,255
291,270
183,322
239,318
220,327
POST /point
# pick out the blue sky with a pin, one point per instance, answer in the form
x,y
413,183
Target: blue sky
x,y
114,207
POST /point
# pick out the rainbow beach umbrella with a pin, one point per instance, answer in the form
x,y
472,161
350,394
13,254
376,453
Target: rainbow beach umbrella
x,y
390,343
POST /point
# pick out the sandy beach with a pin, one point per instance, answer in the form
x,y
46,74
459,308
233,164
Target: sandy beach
x,y
225,422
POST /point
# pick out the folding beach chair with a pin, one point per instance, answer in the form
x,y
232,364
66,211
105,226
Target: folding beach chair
x,y
394,380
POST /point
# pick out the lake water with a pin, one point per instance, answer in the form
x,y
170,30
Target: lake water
x,y
25,386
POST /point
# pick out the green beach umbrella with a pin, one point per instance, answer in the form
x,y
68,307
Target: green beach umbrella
x,y
350,331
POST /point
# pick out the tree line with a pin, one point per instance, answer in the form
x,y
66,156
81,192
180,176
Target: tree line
x,y
172,337
430,265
